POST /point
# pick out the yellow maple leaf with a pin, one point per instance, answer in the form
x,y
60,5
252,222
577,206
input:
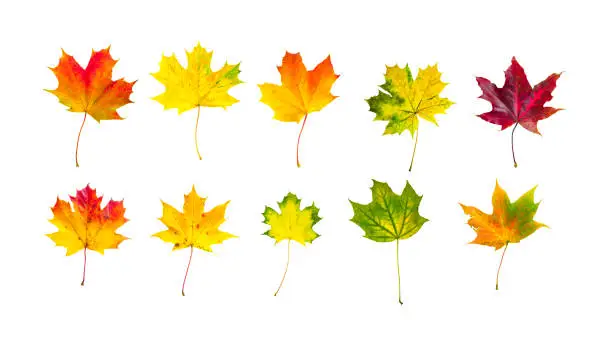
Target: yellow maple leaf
x,y
193,227
301,91
197,85
86,225
292,223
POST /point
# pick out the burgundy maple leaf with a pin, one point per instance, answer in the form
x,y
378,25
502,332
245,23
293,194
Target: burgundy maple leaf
x,y
517,102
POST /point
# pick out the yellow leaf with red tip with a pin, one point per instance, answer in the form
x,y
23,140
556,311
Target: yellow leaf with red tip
x,y
85,224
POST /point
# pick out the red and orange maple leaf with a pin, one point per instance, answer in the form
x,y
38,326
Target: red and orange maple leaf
x,y
91,90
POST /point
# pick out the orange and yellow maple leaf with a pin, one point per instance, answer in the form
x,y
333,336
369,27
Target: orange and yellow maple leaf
x,y
86,225
193,227
91,89
301,91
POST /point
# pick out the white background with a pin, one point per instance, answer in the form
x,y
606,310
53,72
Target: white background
x,y
555,282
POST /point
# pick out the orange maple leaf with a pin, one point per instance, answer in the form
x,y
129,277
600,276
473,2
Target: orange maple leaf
x,y
510,222
86,225
91,90
301,92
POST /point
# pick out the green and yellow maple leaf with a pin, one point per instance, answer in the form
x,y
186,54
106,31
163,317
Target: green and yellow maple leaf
x,y
403,99
390,217
292,223
197,85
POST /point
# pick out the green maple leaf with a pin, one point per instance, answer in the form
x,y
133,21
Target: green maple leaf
x,y
390,217
403,99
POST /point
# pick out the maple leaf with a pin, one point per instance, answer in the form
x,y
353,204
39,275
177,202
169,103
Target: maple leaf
x,y
510,222
403,99
301,92
517,102
193,227
86,225
390,217
292,223
91,90
197,85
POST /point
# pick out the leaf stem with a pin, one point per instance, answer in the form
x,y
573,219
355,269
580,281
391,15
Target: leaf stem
x,y
84,265
187,271
512,143
76,153
286,267
499,268
297,148
416,141
196,133
399,286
